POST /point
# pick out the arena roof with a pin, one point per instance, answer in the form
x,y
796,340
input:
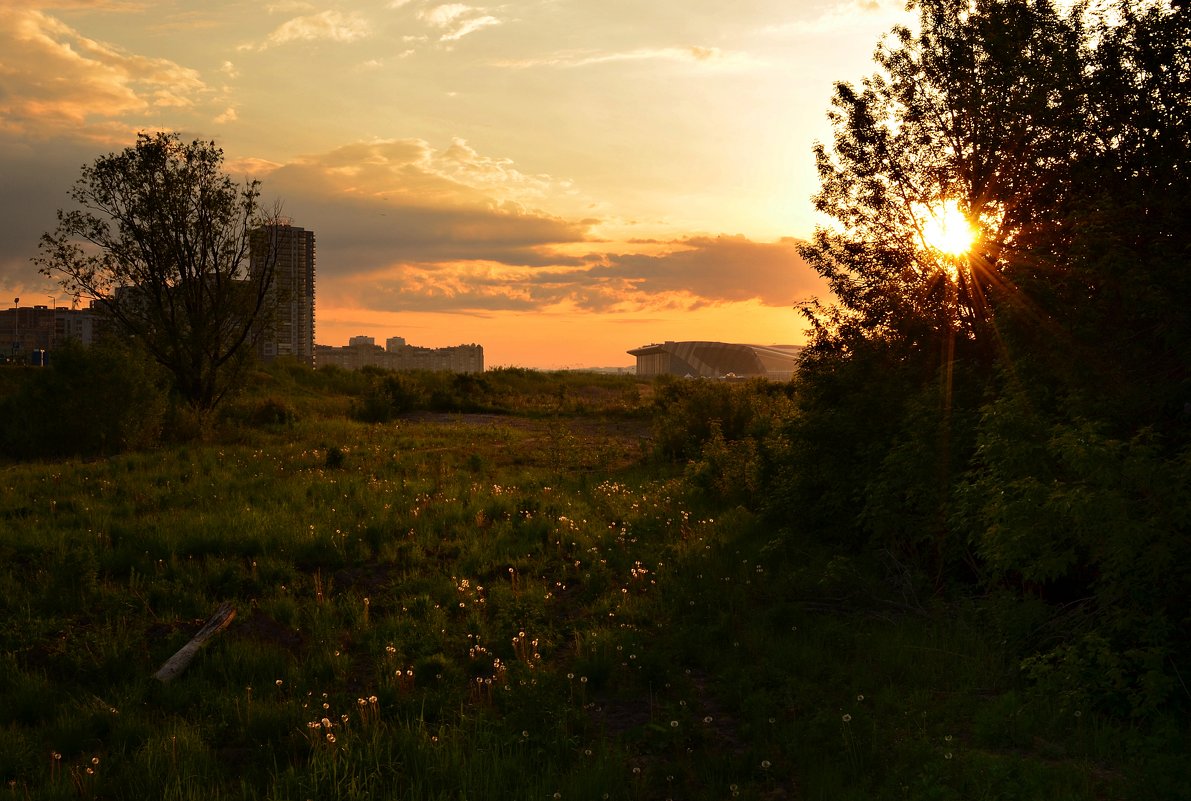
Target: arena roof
x,y
717,360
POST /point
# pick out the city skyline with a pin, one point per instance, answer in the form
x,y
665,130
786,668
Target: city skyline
x,y
561,181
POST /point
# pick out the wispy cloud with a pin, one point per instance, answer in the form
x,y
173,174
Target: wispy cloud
x,y
332,26
289,6
456,20
842,16
77,5
691,54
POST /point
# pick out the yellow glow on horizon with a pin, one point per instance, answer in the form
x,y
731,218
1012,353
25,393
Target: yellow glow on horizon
x,y
564,336
946,229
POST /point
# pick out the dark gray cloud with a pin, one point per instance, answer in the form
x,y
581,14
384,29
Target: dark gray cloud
x,y
719,269
689,274
362,235
373,205
420,240
35,181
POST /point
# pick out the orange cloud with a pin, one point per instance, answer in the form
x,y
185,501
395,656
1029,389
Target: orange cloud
x,y
404,226
54,78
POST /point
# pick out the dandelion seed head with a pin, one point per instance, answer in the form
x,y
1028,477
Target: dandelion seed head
x,y
847,718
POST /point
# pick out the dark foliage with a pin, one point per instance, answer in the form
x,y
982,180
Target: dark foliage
x,y
89,401
1016,414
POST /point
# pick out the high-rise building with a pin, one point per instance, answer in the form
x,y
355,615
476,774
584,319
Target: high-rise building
x,y
289,309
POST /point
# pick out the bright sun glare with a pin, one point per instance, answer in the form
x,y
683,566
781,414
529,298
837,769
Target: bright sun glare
x,y
946,229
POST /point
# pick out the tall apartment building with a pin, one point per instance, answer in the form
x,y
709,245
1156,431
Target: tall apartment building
x,y
289,318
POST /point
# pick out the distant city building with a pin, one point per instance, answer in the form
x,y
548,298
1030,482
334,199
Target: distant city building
x,y
289,314
363,352
717,360
27,333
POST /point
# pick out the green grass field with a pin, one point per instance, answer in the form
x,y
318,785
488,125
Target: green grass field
x,y
495,606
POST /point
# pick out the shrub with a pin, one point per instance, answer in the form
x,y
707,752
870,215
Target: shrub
x,y
99,400
271,411
388,395
1061,508
691,413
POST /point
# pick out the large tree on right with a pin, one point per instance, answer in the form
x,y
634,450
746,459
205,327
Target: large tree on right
x,y
999,387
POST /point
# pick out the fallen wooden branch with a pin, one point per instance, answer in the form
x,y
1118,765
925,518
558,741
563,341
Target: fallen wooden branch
x,y
177,663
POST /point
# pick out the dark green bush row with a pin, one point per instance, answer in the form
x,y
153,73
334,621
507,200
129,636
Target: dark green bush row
x,y
501,391
975,485
88,401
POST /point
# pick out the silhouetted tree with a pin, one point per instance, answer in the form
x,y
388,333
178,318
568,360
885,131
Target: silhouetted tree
x,y
982,106
161,240
1016,411
1064,137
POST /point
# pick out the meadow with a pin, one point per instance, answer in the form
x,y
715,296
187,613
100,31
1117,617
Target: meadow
x,y
523,597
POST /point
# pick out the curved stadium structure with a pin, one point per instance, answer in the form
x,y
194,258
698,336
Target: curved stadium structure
x,y
717,360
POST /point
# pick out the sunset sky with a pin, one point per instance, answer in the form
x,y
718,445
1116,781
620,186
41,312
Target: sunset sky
x,y
556,180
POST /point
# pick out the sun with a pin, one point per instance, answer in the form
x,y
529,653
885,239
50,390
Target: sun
x,y
945,228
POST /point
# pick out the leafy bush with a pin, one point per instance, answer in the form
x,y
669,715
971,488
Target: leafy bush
x,y
271,411
1060,508
388,395
691,413
726,471
99,400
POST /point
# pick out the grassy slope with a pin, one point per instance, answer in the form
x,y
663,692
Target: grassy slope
x,y
491,607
